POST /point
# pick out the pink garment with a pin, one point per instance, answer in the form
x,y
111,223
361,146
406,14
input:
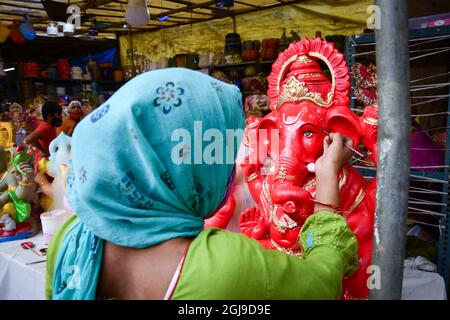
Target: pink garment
x,y
424,151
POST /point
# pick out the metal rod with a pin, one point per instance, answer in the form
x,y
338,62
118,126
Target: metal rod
x,y
426,190
430,87
430,167
392,56
423,192
414,177
427,224
436,128
426,102
426,202
437,38
427,179
435,51
430,114
434,76
429,54
426,211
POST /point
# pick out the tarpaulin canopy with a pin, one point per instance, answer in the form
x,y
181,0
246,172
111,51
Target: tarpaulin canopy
x,y
330,17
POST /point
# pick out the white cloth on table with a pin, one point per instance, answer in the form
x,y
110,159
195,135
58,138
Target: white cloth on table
x,y
421,282
20,280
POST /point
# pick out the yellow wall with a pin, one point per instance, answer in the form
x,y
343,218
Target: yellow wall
x,y
331,17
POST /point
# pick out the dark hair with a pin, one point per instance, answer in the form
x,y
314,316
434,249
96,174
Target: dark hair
x,y
50,108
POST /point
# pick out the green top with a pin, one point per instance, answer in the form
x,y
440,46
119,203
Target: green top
x,y
52,254
222,265
225,265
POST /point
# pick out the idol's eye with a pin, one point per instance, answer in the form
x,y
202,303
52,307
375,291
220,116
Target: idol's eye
x,y
308,134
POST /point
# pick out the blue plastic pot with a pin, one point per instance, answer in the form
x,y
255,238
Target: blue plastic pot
x,y
27,30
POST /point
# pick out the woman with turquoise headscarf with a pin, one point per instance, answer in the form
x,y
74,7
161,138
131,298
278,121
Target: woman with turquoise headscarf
x,y
141,195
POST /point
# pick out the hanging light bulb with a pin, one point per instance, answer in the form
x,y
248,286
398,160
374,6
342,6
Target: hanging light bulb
x,y
137,13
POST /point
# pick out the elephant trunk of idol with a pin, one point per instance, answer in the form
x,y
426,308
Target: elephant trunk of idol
x,y
286,190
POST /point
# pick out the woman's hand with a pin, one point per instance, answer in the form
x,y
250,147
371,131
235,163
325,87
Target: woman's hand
x,y
335,156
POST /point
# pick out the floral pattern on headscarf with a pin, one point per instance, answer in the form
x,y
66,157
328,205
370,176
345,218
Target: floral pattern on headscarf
x,y
169,96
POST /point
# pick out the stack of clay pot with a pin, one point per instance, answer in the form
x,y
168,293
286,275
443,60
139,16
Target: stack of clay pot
x,y
30,69
251,50
233,44
63,67
269,49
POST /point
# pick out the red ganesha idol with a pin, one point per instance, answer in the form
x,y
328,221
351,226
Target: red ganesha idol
x,y
306,106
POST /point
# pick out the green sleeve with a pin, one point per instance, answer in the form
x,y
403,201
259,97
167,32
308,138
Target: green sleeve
x,y
330,252
228,266
329,230
52,254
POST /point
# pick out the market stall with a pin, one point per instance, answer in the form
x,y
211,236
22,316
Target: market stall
x,y
304,69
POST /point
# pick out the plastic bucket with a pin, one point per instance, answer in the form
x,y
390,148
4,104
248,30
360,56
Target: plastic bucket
x,y
4,33
51,221
30,69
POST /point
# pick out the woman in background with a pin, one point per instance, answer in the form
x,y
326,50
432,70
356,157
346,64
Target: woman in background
x,y
45,132
75,116
86,107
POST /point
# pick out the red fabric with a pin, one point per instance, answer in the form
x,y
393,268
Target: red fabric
x,y
222,217
47,133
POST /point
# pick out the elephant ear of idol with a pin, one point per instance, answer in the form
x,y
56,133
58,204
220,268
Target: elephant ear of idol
x,y
297,76
341,119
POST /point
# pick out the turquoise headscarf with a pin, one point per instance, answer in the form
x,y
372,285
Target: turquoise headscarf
x,y
125,182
